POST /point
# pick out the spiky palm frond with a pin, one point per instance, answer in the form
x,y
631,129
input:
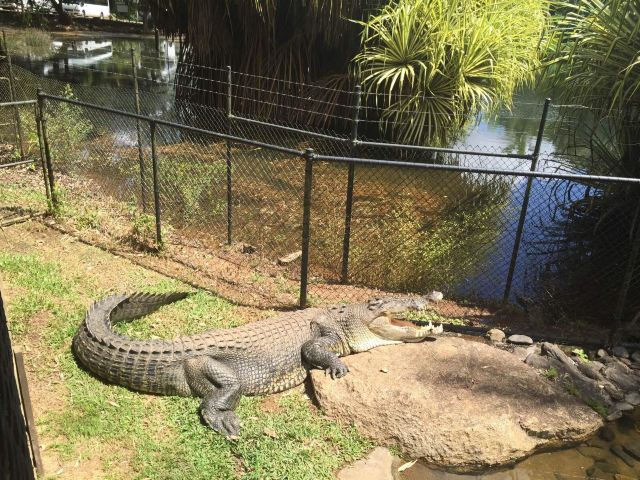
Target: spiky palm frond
x,y
430,64
595,61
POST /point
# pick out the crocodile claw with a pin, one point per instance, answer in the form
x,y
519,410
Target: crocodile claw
x,y
338,370
224,422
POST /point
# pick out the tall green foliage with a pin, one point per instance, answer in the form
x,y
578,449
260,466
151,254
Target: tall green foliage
x,y
595,62
431,64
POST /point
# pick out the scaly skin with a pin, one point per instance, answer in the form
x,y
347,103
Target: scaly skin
x,y
221,365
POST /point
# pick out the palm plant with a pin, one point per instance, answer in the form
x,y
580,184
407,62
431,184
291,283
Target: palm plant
x,y
429,65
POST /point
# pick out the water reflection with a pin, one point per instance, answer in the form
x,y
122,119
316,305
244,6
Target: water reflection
x,y
106,62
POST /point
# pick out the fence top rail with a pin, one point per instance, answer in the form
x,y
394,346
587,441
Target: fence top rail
x,y
180,126
492,171
290,129
443,150
17,103
525,156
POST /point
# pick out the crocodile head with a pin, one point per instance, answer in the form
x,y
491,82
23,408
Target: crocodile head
x,y
384,322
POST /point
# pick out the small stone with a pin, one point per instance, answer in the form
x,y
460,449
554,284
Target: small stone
x,y
384,370
602,353
632,398
495,335
623,407
605,467
619,452
522,353
435,296
520,340
620,351
598,442
621,376
248,249
597,366
614,392
594,452
594,473
538,361
633,449
292,257
614,415
635,356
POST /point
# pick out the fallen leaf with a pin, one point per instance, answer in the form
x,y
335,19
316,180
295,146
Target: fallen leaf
x,y
403,467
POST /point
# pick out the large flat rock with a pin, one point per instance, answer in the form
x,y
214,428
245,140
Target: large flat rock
x,y
453,402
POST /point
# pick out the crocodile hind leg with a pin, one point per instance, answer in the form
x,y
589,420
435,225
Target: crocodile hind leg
x,y
219,388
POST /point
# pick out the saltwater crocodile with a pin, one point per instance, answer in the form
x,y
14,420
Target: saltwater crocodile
x,y
262,357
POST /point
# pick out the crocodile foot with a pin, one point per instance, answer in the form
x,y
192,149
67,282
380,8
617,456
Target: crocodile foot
x,y
225,422
337,370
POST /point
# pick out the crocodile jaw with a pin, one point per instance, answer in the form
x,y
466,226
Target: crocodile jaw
x,y
401,331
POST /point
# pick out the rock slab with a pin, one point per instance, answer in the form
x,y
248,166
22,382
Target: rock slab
x,y
453,402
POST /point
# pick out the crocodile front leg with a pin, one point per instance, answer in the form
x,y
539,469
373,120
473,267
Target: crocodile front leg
x,y
219,387
321,352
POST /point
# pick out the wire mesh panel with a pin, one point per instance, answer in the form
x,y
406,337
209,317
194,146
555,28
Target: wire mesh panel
x,y
96,164
18,133
412,230
579,258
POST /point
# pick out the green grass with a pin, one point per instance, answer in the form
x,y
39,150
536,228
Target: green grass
x,y
551,373
160,437
580,354
25,196
434,317
597,407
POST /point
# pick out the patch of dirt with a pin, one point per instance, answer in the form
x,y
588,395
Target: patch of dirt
x,y
269,404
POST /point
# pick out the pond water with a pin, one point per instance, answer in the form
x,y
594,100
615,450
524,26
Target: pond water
x,y
104,61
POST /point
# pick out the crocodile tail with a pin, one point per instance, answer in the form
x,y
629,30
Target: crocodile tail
x,y
140,304
115,357
104,313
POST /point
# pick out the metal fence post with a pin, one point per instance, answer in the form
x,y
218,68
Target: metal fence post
x,y
12,97
47,151
525,201
306,218
229,158
344,277
156,184
43,164
136,92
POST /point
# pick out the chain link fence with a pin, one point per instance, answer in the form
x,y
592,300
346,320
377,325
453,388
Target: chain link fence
x,y
242,199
